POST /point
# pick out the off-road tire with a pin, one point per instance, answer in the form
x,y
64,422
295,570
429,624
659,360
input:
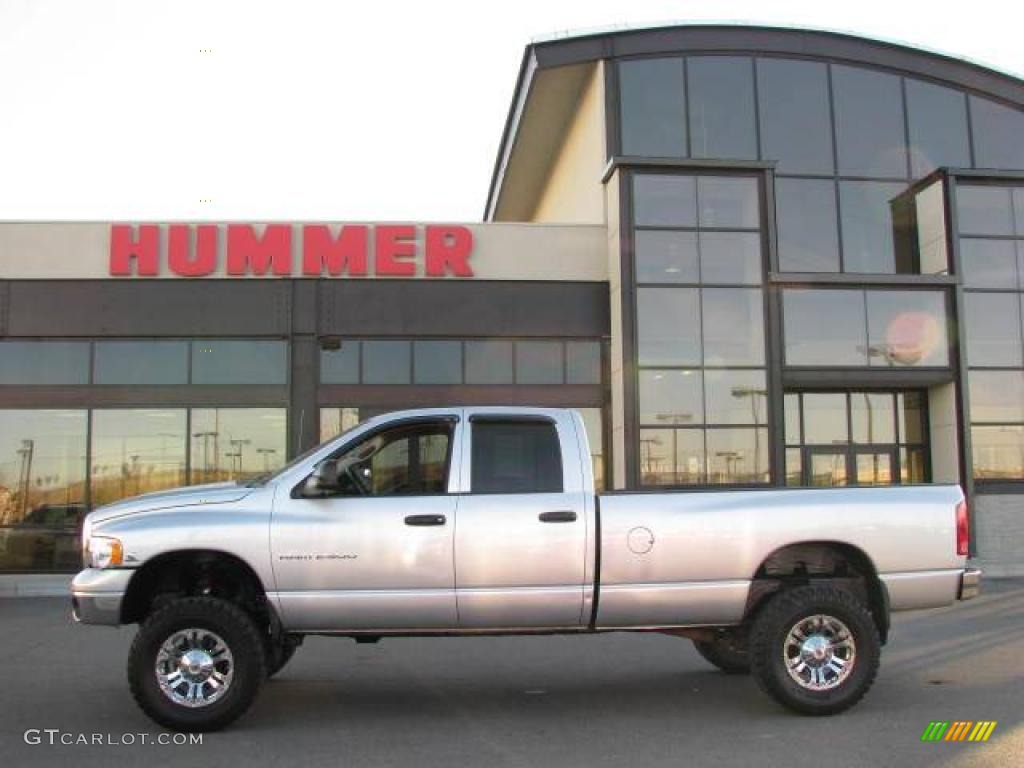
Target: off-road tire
x,y
240,634
768,636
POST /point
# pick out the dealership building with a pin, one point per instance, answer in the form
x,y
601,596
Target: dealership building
x,y
751,257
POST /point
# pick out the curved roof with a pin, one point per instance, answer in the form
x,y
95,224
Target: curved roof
x,y
575,55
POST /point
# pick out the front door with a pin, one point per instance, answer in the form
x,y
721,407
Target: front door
x,y
377,553
521,541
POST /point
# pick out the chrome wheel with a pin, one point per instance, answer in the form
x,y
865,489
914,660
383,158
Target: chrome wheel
x,y
194,667
819,652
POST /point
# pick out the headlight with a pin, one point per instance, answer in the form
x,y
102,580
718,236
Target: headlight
x,y
103,552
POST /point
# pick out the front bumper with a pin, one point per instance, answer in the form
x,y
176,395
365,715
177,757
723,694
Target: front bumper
x,y
970,584
96,595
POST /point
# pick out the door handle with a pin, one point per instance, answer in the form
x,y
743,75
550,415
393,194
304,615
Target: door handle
x,y
426,520
561,516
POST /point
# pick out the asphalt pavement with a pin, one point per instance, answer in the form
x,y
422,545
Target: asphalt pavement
x,y
508,702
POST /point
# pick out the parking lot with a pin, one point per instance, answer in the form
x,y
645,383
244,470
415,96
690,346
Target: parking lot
x,y
613,700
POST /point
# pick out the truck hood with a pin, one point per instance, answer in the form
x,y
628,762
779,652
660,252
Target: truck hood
x,y
189,496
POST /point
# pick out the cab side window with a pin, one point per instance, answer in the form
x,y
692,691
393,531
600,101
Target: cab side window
x,y
410,460
516,456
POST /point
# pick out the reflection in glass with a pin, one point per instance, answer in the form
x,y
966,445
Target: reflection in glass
x,y
996,396
867,225
437,362
652,111
665,256
869,123
728,201
582,362
670,397
910,409
592,423
340,366
44,362
223,361
824,327
912,467
671,456
796,126
733,326
828,469
539,362
998,452
794,467
791,409
668,326
874,468
808,230
42,489
136,451
140,362
825,419
937,118
664,200
737,456
721,107
997,132
730,257
334,421
489,362
988,263
907,328
992,325
735,397
984,210
236,443
386,362
873,417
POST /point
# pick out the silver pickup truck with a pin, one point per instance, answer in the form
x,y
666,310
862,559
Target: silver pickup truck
x,y
475,521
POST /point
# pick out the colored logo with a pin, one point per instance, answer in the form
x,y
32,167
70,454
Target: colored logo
x,y
958,730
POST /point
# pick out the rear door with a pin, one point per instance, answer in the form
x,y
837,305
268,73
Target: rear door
x,y
521,539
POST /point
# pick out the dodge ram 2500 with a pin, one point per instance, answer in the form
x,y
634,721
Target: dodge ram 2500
x,y
475,521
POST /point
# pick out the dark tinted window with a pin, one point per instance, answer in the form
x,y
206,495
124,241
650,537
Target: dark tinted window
x,y
438,362
938,127
869,122
582,362
141,362
796,129
516,457
998,135
489,362
44,362
218,361
404,461
386,362
539,362
663,200
867,224
721,107
652,98
340,366
808,234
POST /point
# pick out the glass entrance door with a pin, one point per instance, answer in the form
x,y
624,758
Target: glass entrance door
x,y
825,467
875,466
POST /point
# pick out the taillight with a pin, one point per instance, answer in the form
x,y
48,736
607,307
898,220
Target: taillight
x,y
963,528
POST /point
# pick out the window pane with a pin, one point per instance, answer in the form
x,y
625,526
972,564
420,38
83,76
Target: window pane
x,y
141,362
735,397
992,324
671,397
668,326
869,123
583,362
737,456
728,202
137,451
489,362
874,468
825,419
730,257
911,416
1018,209
791,408
996,395
984,210
938,127
438,362
808,233
594,426
828,470
796,128
988,263
867,224
824,327
998,453
539,362
516,457
664,200
733,326
721,107
873,417
334,421
666,257
912,465
42,489
671,456
651,96
236,443
998,133
44,362
220,361
907,328
340,366
794,467
386,362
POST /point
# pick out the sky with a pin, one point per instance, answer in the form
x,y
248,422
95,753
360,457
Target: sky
x,y
296,109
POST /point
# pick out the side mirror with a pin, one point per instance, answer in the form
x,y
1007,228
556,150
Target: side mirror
x,y
323,480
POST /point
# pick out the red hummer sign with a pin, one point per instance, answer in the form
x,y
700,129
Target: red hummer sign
x,y
287,250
